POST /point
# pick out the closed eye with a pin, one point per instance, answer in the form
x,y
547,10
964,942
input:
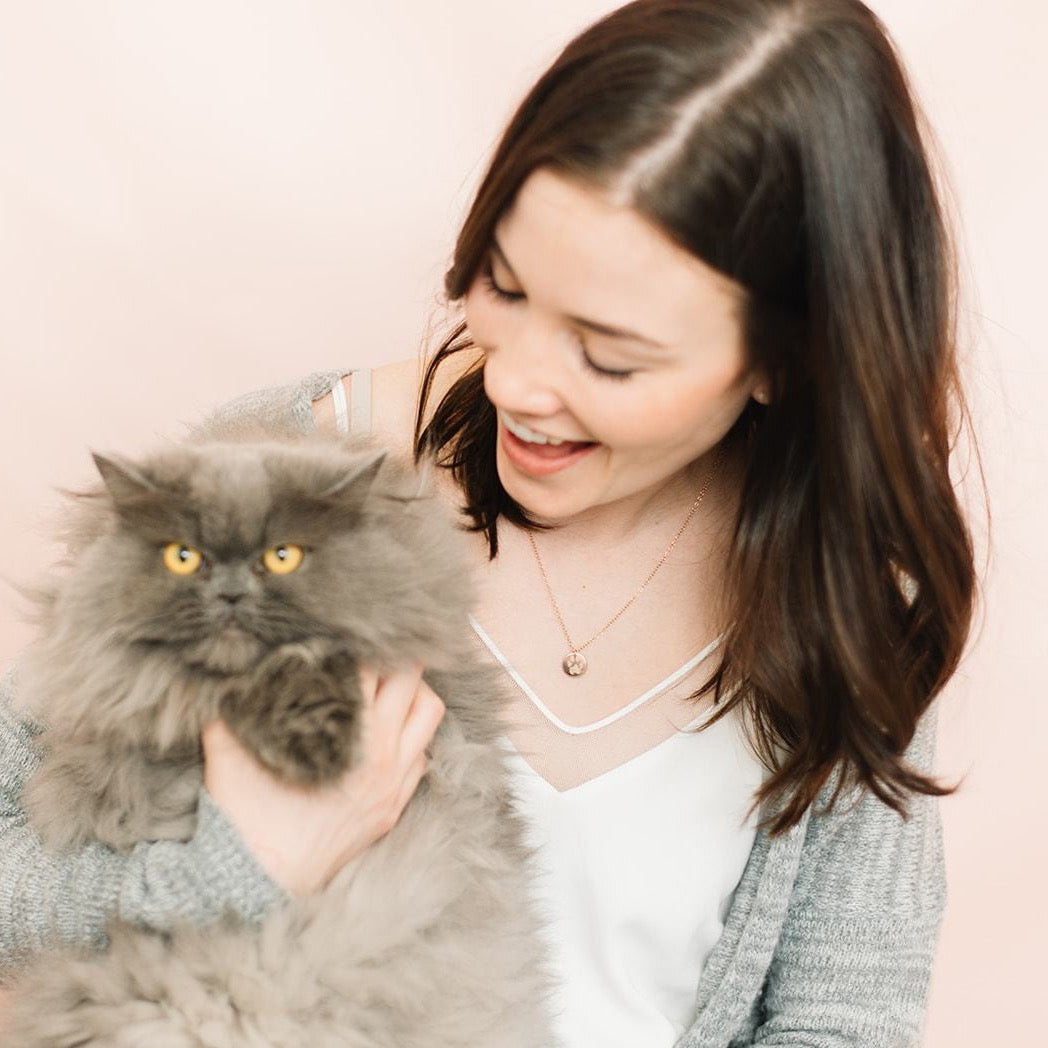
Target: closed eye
x,y
488,280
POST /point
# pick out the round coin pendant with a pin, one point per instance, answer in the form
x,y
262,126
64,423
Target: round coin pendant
x,y
574,664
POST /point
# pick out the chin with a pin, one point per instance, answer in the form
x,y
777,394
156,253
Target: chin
x,y
229,651
545,511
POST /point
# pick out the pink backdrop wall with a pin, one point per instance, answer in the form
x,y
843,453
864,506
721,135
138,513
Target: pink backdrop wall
x,y
203,197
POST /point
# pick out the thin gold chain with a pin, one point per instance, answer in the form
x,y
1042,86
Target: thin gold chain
x,y
651,574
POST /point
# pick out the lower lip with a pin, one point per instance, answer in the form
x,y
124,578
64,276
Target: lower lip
x,y
520,453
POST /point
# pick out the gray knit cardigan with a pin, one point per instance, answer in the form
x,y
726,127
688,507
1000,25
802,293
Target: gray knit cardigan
x,y
829,940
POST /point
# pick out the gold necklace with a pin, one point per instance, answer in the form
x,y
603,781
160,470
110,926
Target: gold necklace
x,y
574,663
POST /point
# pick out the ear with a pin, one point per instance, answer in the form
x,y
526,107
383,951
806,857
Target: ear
x,y
138,501
123,479
359,478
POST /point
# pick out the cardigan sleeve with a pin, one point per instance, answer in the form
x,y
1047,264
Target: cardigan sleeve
x,y
287,408
49,900
853,963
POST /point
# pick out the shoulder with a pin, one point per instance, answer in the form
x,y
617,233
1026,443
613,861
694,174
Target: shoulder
x,y
394,396
307,403
285,406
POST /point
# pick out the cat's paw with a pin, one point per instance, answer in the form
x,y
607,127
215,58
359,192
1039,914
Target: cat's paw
x,y
299,715
59,824
87,791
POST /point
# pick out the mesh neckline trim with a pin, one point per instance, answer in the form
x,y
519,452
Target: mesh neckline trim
x,y
583,729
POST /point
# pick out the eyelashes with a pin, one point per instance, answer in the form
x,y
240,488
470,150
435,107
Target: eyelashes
x,y
604,372
489,283
487,278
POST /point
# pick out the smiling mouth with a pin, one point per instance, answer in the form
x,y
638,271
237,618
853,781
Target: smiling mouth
x,y
540,460
535,440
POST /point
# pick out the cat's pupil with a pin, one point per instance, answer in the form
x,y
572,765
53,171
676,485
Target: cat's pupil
x,y
183,553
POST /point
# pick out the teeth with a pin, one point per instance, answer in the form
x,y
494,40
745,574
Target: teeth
x,y
522,431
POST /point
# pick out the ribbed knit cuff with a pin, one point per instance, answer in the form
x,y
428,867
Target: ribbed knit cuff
x,y
199,880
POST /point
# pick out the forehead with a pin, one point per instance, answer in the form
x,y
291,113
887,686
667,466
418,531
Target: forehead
x,y
232,492
580,252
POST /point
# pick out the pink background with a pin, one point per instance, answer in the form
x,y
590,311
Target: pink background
x,y
204,197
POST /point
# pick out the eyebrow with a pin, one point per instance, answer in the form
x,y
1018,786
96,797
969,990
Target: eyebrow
x,y
592,325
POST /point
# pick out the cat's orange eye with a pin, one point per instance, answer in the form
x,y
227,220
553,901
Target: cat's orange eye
x,y
282,560
182,559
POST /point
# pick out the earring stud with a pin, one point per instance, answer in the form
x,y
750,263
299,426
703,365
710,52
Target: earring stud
x,y
761,396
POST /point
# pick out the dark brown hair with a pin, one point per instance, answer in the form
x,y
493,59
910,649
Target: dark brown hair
x,y
778,141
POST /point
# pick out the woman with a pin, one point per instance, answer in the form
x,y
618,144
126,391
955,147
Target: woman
x,y
697,414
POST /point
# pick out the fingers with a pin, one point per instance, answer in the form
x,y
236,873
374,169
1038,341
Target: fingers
x,y
368,682
405,714
427,711
392,698
217,738
410,785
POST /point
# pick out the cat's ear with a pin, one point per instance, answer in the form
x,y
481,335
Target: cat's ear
x,y
139,501
358,479
123,479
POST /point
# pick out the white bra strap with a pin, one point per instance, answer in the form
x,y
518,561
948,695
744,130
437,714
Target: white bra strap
x,y
357,420
338,399
360,391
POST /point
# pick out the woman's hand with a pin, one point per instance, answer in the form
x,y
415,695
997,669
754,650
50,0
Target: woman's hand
x,y
303,837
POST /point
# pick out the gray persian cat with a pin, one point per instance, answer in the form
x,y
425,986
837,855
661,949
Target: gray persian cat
x,y
248,577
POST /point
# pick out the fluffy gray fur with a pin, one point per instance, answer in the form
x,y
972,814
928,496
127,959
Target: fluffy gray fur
x,y
428,939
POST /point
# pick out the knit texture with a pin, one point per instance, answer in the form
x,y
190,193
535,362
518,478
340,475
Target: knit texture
x,y
50,899
829,941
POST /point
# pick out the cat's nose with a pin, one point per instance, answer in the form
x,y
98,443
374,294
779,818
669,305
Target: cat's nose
x,y
231,598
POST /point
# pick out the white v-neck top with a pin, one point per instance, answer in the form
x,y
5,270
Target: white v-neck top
x,y
635,873
635,868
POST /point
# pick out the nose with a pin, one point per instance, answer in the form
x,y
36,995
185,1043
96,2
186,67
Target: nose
x,y
231,583
521,374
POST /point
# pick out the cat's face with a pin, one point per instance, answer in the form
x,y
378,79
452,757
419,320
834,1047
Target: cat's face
x,y
221,552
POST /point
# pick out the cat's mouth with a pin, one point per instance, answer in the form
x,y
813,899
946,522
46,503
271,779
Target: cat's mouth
x,y
230,648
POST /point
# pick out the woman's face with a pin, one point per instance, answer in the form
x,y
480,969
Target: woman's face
x,y
612,335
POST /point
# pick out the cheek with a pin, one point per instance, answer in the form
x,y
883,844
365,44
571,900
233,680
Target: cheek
x,y
676,414
151,595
